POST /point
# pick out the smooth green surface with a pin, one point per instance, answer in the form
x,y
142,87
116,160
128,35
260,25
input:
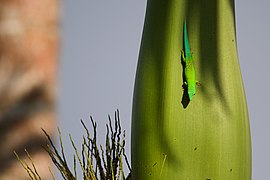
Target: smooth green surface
x,y
207,138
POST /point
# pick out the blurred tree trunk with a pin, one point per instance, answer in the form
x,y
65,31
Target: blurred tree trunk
x,y
28,54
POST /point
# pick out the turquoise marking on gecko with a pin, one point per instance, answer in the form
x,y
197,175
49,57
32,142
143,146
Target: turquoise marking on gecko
x,y
189,71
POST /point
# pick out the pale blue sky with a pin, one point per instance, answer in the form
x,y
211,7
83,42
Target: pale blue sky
x,y
100,45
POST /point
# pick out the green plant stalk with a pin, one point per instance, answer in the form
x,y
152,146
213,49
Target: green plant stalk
x,y
209,137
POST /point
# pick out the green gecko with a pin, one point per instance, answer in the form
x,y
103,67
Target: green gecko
x,y
189,71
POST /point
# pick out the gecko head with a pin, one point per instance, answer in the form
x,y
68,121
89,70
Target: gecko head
x,y
190,95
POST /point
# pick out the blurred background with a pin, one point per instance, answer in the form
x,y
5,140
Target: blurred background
x,y
91,53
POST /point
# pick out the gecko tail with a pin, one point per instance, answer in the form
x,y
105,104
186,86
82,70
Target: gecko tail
x,y
186,43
